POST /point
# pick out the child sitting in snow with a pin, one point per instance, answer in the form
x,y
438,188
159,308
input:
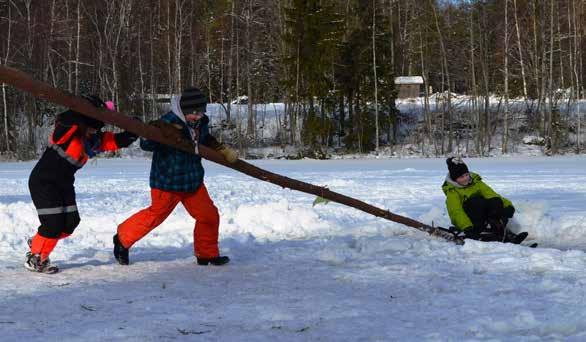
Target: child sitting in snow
x,y
474,208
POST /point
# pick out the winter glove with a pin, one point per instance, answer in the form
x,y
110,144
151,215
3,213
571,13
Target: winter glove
x,y
229,154
472,232
495,207
509,211
131,135
125,139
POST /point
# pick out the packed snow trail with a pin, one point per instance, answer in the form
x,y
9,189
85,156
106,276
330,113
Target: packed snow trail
x,y
300,272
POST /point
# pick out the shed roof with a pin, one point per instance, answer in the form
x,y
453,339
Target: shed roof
x,y
409,80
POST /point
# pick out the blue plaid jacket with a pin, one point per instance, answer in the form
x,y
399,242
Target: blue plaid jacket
x,y
172,169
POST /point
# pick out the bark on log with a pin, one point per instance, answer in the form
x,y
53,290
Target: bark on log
x,y
42,90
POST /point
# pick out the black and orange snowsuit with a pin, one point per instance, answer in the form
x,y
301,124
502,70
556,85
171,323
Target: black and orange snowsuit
x,y
51,180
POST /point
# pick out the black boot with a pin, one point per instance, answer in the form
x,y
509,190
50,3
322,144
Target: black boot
x,y
120,252
516,238
217,261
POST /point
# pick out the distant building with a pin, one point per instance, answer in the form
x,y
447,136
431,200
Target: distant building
x,y
159,98
409,86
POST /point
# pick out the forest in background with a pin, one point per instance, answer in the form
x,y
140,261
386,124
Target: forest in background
x,y
332,63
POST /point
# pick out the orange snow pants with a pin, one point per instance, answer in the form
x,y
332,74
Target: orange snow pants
x,y
198,204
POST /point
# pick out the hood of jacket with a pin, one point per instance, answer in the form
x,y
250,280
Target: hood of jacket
x,y
449,183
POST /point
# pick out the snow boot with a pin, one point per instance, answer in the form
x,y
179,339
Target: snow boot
x,y
516,238
120,252
29,242
217,261
33,263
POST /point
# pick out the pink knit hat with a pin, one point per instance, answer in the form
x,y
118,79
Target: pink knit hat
x,y
110,106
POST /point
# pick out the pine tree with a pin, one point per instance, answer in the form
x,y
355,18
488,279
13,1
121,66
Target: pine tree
x,y
312,33
355,78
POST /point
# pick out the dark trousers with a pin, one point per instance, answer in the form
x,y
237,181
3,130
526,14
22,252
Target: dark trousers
x,y
488,218
56,206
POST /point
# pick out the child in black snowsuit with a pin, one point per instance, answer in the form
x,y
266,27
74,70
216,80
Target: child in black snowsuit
x,y
75,139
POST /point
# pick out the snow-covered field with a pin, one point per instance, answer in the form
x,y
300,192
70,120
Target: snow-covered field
x,y
303,273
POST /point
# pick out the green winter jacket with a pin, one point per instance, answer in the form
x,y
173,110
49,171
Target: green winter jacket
x,y
457,194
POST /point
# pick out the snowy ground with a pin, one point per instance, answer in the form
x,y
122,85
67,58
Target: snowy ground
x,y
299,273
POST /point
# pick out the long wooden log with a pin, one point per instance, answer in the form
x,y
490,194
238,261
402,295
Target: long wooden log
x,y
44,91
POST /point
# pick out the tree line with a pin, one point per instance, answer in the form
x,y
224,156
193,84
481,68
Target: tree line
x,y
331,62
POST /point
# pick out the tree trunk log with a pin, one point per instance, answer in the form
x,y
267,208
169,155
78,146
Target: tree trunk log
x,y
42,90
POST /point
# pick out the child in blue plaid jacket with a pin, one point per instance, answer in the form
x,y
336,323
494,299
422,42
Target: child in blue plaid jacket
x,y
177,176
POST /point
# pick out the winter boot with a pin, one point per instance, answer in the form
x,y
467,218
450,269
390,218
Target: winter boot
x,y
29,242
120,252
516,238
217,261
489,236
34,263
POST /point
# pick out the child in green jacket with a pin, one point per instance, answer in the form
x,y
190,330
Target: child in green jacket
x,y
474,208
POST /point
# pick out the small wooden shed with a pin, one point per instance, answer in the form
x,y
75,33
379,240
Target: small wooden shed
x,y
409,86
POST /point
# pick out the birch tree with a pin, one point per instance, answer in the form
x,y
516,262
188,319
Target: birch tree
x,y
377,134
506,82
5,62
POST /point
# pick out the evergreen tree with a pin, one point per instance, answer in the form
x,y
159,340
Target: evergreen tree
x,y
312,34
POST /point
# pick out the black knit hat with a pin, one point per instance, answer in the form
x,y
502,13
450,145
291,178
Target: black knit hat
x,y
193,100
98,103
456,167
